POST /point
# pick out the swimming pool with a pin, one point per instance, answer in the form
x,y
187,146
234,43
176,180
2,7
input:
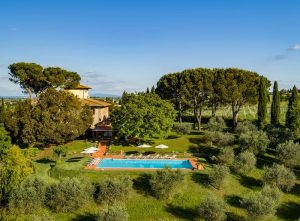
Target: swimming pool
x,y
143,164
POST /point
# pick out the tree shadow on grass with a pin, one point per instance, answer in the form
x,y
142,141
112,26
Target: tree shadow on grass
x,y
204,151
289,211
173,136
250,182
263,161
85,217
234,200
142,185
201,178
74,159
131,152
45,160
234,217
181,212
149,152
296,190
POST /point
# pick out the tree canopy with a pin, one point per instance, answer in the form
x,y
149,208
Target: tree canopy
x,y
34,79
262,104
15,166
293,112
5,141
275,108
171,87
55,118
143,115
196,87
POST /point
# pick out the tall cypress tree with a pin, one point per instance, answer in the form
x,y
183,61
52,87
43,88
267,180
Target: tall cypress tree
x,y
2,111
275,108
293,112
262,104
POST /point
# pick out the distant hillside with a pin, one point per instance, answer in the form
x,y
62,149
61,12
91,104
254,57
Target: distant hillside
x,y
104,95
13,97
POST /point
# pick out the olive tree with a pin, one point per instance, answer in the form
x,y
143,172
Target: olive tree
x,y
165,182
288,153
263,203
212,208
254,141
280,177
226,156
113,213
113,191
216,124
244,162
28,197
218,175
68,195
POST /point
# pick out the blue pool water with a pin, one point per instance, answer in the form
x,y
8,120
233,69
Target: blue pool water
x,y
144,164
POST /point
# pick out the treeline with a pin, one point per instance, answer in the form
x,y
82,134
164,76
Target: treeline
x,y
196,88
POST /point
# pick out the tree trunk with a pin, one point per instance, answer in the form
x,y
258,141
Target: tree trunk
x,y
29,93
213,109
195,115
180,112
199,117
235,111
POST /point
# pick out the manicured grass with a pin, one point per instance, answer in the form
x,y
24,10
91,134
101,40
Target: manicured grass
x,y
177,144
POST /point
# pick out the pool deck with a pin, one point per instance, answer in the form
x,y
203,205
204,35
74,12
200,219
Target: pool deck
x,y
102,154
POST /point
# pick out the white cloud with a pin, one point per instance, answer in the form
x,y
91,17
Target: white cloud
x,y
295,47
106,84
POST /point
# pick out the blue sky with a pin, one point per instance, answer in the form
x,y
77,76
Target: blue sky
x,y
118,45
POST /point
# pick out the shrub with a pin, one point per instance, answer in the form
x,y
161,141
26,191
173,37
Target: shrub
x,y
278,134
113,213
60,151
28,197
69,194
244,162
226,156
182,128
263,203
164,182
218,175
219,138
255,141
216,124
113,191
212,208
289,153
280,177
244,127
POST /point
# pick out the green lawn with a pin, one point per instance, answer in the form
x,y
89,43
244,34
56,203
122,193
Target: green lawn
x,y
142,206
177,144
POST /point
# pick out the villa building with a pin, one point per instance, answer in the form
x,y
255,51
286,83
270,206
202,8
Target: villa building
x,y
99,127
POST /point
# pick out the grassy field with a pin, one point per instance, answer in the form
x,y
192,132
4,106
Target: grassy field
x,y
247,112
142,206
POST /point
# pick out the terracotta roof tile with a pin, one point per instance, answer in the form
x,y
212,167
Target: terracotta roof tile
x,y
80,86
95,103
